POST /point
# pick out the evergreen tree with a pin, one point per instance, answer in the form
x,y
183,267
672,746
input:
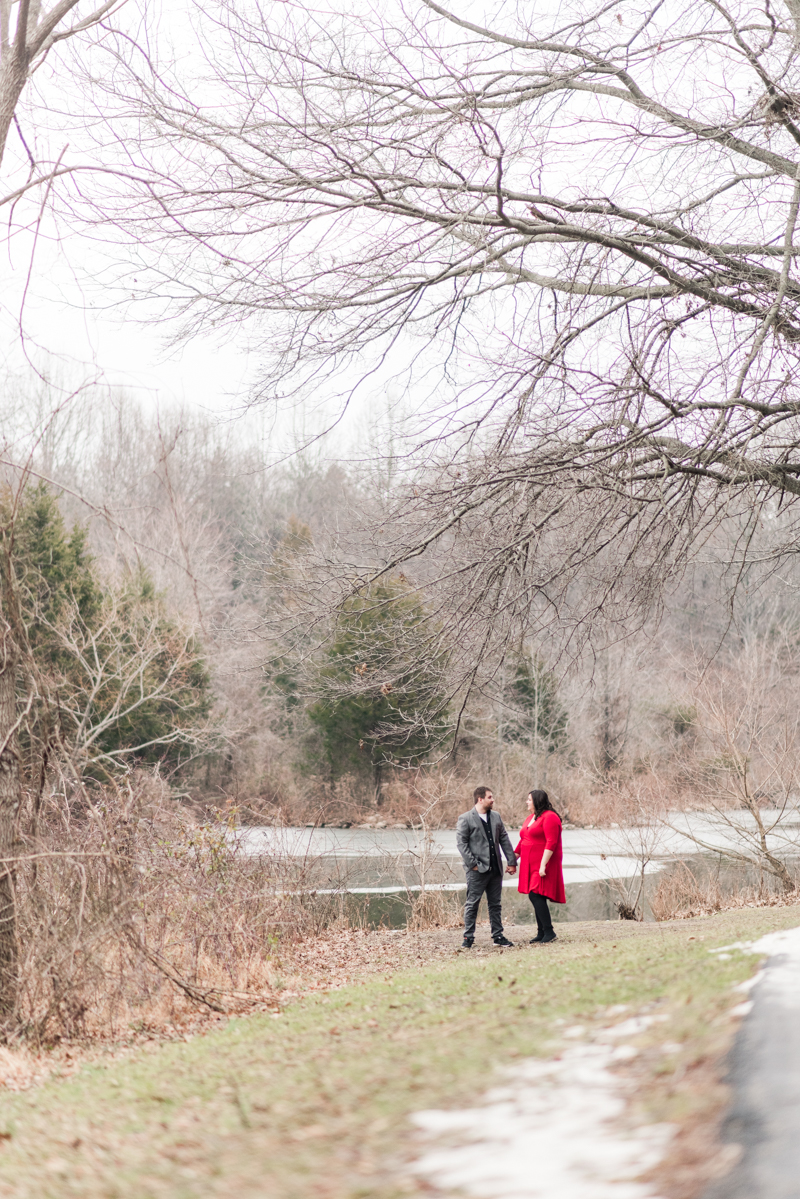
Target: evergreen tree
x,y
113,673
157,687
373,708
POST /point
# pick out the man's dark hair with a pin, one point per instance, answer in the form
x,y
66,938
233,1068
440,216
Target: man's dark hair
x,y
480,793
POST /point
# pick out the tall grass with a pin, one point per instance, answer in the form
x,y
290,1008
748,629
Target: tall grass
x,y
683,892
126,906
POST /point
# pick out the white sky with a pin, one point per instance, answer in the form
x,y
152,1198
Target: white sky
x,y
67,326
60,326
52,312
67,334
64,320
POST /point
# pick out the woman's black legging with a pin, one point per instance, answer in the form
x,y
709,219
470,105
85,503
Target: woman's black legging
x,y
543,917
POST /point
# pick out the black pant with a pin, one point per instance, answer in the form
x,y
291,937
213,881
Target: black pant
x,y
477,884
543,917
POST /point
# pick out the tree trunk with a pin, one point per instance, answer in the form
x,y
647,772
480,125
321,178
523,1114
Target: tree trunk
x,y
13,77
10,796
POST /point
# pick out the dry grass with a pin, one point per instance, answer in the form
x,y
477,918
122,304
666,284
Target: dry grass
x,y
316,1102
683,893
430,796
434,909
137,920
132,915
19,1069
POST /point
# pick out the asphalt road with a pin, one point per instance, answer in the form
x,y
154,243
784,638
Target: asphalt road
x,y
765,1075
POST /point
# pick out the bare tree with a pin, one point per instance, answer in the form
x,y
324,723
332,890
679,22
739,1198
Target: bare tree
x,y
122,668
745,767
103,676
27,35
580,223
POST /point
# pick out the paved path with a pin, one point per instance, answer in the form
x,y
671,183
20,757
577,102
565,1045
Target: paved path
x,y
765,1076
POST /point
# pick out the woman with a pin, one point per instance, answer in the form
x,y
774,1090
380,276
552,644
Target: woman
x,y
539,853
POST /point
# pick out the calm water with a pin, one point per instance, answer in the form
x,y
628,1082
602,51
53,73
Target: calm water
x,y
382,869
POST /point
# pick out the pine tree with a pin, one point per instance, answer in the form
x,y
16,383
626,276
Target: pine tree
x,y
374,709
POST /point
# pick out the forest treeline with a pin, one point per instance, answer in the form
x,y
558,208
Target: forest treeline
x,y
565,557
172,583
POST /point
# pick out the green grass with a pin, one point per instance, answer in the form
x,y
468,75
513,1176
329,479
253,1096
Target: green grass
x,y
315,1102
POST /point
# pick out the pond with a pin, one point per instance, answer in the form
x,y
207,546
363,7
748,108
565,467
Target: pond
x,y
383,869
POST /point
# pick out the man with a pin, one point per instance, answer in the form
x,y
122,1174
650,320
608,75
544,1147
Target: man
x,y
480,835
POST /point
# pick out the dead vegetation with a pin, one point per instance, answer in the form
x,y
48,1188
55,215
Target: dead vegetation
x,y
433,795
434,909
135,919
133,915
683,893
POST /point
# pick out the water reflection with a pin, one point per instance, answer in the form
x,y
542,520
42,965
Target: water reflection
x,y
585,901
379,872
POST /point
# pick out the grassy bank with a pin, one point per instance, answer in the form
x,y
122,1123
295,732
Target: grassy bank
x,y
314,1102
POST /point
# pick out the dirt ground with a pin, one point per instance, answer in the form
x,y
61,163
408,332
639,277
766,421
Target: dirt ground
x,y
683,1087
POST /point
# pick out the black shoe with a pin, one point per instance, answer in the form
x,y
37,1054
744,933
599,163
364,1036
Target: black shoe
x,y
536,940
547,938
466,943
503,943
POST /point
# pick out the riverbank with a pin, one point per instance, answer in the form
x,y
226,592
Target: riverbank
x,y
317,1100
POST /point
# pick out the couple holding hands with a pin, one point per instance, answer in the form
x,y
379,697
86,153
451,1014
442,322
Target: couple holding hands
x,y
481,835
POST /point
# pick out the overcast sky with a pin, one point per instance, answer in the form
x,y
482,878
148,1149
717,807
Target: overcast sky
x,y
57,314
52,313
64,325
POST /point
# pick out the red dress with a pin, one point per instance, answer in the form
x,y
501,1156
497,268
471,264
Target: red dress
x,y
535,837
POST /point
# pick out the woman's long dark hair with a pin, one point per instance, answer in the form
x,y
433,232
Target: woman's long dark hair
x,y
541,803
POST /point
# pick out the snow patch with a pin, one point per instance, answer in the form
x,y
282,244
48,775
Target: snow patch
x,y
558,1131
628,1028
785,941
749,983
781,982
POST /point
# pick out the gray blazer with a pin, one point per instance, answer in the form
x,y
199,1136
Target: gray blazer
x,y
473,844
